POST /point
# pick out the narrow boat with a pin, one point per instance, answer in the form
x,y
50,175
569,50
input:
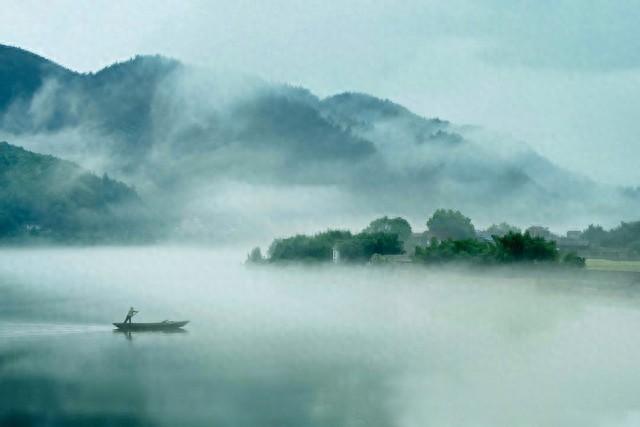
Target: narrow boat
x,y
166,325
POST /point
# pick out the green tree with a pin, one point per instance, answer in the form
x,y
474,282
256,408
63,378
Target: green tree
x,y
467,250
502,229
354,248
595,234
572,259
450,224
540,231
518,247
307,248
511,248
255,256
623,235
362,246
398,225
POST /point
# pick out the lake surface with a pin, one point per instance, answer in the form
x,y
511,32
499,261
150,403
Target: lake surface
x,y
331,346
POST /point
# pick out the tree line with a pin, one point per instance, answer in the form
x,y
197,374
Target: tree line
x,y
453,238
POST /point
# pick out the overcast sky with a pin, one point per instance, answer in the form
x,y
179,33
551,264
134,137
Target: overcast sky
x,y
564,76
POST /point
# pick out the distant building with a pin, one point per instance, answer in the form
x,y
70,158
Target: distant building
x,y
540,231
580,246
335,255
416,239
574,234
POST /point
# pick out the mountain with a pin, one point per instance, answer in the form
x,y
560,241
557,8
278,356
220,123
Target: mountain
x,y
23,73
48,198
233,153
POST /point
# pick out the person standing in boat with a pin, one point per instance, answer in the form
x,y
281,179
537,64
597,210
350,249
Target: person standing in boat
x,y
130,314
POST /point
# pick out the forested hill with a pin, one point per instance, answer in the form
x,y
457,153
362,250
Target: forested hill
x,y
189,138
47,198
22,73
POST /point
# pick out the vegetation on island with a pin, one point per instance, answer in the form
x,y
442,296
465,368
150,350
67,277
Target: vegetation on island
x,y
501,229
320,247
514,247
398,225
453,239
450,224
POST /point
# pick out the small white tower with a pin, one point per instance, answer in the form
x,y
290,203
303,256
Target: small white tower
x,y
335,255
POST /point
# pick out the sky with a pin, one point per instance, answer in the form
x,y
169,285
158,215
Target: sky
x,y
562,76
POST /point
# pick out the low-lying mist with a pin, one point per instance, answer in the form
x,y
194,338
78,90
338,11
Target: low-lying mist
x,y
225,157
323,346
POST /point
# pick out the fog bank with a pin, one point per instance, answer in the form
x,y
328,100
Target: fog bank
x,y
378,346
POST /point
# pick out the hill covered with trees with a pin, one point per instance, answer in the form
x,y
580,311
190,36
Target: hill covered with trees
x,y
182,134
45,198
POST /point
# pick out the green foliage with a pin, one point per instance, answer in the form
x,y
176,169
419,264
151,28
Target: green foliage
x,y
623,235
572,259
398,225
502,229
319,247
450,224
595,234
307,248
540,231
508,249
518,247
467,250
362,246
626,235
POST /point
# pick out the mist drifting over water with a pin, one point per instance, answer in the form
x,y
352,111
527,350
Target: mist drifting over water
x,y
318,346
199,130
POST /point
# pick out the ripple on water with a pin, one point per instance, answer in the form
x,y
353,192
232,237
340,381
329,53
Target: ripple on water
x,y
10,330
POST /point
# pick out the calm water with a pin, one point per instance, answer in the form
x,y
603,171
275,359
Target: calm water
x,y
305,347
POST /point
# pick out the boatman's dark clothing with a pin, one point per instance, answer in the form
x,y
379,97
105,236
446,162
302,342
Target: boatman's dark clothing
x,y
130,314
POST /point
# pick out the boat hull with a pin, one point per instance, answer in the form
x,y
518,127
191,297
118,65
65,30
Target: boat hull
x,y
158,326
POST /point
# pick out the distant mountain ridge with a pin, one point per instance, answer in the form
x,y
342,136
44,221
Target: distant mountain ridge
x,y
184,134
22,74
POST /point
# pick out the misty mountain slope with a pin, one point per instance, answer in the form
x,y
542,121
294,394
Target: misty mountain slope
x,y
117,93
111,106
121,96
361,112
42,196
23,73
200,145
433,151
278,121
463,153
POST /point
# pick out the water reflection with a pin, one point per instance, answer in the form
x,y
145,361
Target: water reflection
x,y
307,347
163,380
130,334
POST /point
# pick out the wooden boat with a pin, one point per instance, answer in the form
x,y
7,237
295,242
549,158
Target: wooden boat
x,y
166,325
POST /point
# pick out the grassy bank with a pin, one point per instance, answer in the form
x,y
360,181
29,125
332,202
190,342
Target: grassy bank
x,y
613,265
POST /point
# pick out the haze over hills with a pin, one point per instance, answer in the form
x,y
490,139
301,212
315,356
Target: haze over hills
x,y
55,200
225,155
